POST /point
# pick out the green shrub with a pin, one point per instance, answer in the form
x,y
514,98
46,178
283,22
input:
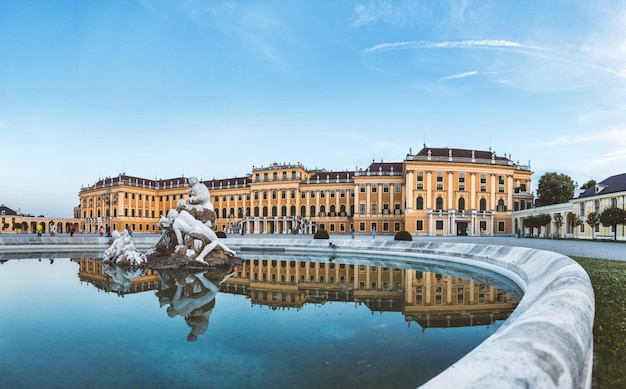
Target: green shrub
x,y
221,234
403,235
321,234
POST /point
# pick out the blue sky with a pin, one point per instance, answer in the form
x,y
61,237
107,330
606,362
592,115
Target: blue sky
x,y
162,88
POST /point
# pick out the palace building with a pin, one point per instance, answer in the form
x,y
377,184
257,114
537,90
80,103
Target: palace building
x,y
438,191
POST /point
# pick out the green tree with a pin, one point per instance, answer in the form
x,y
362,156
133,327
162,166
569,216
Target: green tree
x,y
554,188
612,217
573,221
588,184
543,220
558,222
593,219
531,222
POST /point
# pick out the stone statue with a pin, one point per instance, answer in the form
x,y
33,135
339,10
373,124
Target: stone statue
x,y
187,234
122,251
202,235
200,205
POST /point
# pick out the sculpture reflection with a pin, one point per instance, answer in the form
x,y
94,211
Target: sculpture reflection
x,y
191,296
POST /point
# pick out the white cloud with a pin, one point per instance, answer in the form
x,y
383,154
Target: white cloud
x,y
460,75
465,44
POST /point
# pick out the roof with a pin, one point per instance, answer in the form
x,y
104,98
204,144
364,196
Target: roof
x,y
7,211
613,184
461,153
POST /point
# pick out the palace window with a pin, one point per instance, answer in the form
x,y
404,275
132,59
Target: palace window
x,y
501,206
374,188
439,203
439,225
398,188
374,208
461,187
439,176
461,177
420,186
501,226
501,180
483,205
461,204
362,188
419,203
385,188
439,186
420,176
483,178
483,188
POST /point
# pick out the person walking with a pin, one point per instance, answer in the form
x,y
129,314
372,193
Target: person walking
x,y
72,230
352,231
39,230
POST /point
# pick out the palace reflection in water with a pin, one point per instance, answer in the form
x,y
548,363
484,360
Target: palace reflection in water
x,y
430,299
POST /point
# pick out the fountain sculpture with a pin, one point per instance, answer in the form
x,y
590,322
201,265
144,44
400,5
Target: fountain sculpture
x,y
187,238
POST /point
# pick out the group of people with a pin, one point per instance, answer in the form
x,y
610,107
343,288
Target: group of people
x,y
52,229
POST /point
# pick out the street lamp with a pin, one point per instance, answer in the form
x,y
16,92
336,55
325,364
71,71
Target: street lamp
x,y
106,197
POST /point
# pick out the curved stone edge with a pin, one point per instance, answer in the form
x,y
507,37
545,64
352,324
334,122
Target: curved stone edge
x,y
547,342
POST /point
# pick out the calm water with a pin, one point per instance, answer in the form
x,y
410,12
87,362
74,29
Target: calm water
x,y
274,322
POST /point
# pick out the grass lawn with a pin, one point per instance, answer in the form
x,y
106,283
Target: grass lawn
x,y
609,329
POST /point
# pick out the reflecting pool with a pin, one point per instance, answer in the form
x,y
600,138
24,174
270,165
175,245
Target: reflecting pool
x,y
279,322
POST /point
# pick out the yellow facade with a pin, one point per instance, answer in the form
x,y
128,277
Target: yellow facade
x,y
435,192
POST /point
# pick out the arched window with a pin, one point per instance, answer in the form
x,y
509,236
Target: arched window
x,y
224,213
232,212
312,213
419,203
293,210
274,211
283,210
322,210
264,211
342,208
501,206
303,211
332,209
439,203
483,204
247,211
461,204
256,211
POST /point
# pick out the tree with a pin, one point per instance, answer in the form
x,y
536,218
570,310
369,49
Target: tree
x,y
543,220
573,221
593,219
588,184
531,222
612,217
554,188
558,222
